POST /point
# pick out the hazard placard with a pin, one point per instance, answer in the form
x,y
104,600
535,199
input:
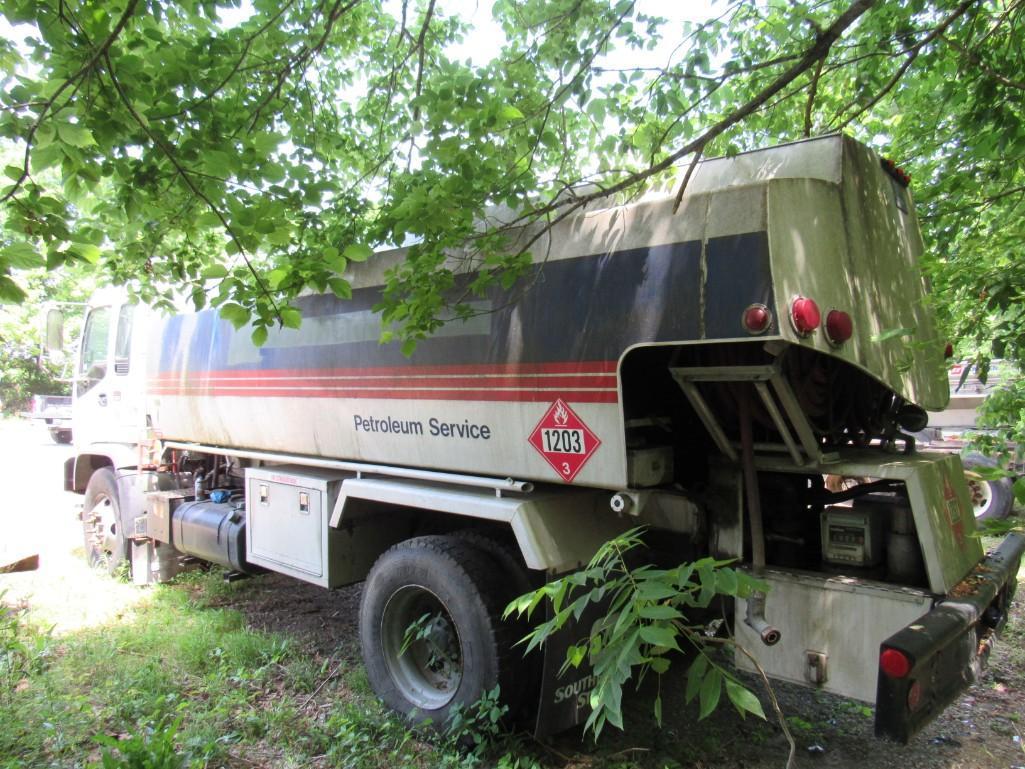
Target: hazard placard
x,y
563,439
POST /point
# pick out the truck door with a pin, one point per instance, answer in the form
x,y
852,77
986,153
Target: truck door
x,y
92,400
125,396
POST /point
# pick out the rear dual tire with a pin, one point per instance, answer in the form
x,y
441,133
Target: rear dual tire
x,y
431,628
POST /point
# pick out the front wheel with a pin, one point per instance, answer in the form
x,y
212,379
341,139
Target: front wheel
x,y
431,628
105,543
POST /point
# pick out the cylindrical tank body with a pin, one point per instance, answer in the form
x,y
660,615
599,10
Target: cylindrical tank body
x,y
529,386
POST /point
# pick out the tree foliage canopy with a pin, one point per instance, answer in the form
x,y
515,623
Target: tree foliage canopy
x,y
248,162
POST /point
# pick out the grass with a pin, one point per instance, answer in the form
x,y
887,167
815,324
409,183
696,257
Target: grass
x,y
178,681
179,684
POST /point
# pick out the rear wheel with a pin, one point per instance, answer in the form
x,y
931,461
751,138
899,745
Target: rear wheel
x,y
431,628
105,543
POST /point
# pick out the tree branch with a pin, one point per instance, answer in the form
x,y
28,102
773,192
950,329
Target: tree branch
x,y
48,104
974,58
422,55
818,50
193,187
811,98
249,40
911,56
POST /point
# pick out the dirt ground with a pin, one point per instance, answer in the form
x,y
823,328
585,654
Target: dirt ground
x,y
983,730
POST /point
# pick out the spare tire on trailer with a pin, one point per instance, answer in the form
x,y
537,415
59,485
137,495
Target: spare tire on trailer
x,y
431,628
991,499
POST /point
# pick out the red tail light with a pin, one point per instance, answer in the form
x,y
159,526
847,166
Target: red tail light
x,y
757,318
894,663
804,315
839,327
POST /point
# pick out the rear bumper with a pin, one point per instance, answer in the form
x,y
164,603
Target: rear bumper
x,y
948,647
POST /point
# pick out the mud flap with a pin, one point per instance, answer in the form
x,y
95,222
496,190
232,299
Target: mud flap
x,y
947,648
564,701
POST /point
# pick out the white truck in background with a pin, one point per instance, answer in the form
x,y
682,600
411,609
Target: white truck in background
x,y
697,373
54,412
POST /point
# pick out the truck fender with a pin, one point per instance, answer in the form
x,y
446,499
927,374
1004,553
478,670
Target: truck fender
x,y
79,468
557,529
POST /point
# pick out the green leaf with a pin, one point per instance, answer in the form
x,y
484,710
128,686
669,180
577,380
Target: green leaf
x,y
659,636
13,172
695,674
1018,489
214,271
208,219
892,333
273,173
659,665
726,581
509,112
358,252
290,317
75,135
10,292
654,590
275,277
340,288
659,612
658,709
281,236
743,699
711,691
21,256
217,163
235,314
259,335
86,251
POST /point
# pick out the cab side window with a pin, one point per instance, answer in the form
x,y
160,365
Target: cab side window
x,y
92,361
123,343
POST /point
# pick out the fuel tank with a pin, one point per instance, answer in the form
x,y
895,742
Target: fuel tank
x,y
530,385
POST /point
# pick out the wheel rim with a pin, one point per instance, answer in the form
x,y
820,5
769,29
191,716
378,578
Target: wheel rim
x,y
981,494
101,528
421,647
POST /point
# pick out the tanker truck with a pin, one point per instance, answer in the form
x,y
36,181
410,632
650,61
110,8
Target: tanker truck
x,y
696,372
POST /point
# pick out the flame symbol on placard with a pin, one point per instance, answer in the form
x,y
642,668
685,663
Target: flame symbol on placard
x,y
561,416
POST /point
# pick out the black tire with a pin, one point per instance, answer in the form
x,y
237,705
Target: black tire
x,y
992,500
105,544
467,649
517,580
63,437
506,554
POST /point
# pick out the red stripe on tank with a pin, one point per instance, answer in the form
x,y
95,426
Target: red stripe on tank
x,y
507,395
